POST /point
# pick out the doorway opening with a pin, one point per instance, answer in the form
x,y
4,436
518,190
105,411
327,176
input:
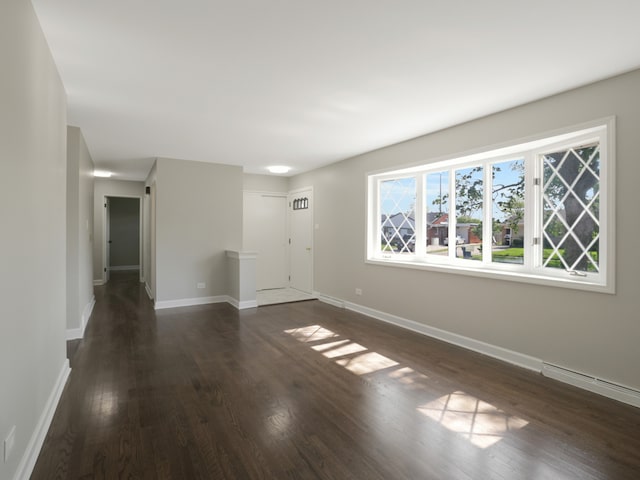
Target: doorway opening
x,y
122,235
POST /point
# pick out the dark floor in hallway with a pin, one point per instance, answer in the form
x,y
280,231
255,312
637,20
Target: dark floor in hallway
x,y
310,391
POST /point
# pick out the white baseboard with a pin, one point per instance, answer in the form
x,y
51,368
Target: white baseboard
x,y
581,380
188,302
28,461
75,333
593,384
242,305
330,300
515,358
124,267
148,290
97,283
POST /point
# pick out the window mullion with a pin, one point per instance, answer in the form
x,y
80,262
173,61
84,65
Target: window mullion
x,y
532,212
487,213
376,220
420,215
453,195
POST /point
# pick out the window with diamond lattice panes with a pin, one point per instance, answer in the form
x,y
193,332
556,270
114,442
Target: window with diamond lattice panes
x,y
397,215
542,212
571,208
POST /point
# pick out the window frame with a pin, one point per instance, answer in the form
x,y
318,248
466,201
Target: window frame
x,y
530,150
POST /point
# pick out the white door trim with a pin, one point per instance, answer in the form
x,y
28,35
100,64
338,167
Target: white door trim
x,y
312,209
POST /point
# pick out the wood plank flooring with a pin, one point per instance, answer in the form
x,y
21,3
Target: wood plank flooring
x,y
310,391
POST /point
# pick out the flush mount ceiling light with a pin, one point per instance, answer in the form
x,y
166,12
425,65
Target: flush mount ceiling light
x,y
102,173
279,169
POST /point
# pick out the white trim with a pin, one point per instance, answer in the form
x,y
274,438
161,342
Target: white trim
x,y
28,461
602,282
574,283
242,255
593,384
188,302
509,356
312,209
75,333
124,267
242,305
503,148
97,283
330,300
148,290
581,380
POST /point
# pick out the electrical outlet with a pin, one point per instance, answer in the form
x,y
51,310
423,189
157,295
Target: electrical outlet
x,y
358,291
9,442
201,285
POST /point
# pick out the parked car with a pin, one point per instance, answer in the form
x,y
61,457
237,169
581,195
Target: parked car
x,y
406,244
410,243
459,240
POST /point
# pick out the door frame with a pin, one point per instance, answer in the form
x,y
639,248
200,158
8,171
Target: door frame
x,y
105,230
290,194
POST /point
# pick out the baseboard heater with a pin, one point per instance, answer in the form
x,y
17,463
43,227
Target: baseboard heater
x,y
597,385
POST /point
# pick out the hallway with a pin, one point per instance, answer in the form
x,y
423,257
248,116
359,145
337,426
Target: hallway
x,y
307,390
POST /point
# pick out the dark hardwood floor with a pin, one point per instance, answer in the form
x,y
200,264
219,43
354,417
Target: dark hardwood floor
x,y
310,391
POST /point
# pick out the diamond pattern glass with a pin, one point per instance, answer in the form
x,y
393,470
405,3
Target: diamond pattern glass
x,y
397,211
571,208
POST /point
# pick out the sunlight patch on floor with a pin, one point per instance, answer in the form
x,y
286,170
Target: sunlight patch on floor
x,y
479,422
407,376
360,364
366,363
339,349
312,333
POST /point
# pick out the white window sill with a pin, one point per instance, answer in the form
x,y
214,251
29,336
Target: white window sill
x,y
576,283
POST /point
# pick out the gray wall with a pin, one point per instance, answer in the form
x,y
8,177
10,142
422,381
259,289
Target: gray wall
x,y
79,228
198,218
587,332
265,183
106,187
124,231
33,134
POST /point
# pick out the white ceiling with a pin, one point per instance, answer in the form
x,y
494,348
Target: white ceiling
x,y
305,83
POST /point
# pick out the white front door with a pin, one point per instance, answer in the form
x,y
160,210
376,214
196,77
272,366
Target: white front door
x,y
301,238
265,232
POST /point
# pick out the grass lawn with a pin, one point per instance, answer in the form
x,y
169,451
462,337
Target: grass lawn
x,y
516,253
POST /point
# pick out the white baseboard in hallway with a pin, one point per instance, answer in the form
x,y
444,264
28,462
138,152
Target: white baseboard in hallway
x,y
123,268
28,460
